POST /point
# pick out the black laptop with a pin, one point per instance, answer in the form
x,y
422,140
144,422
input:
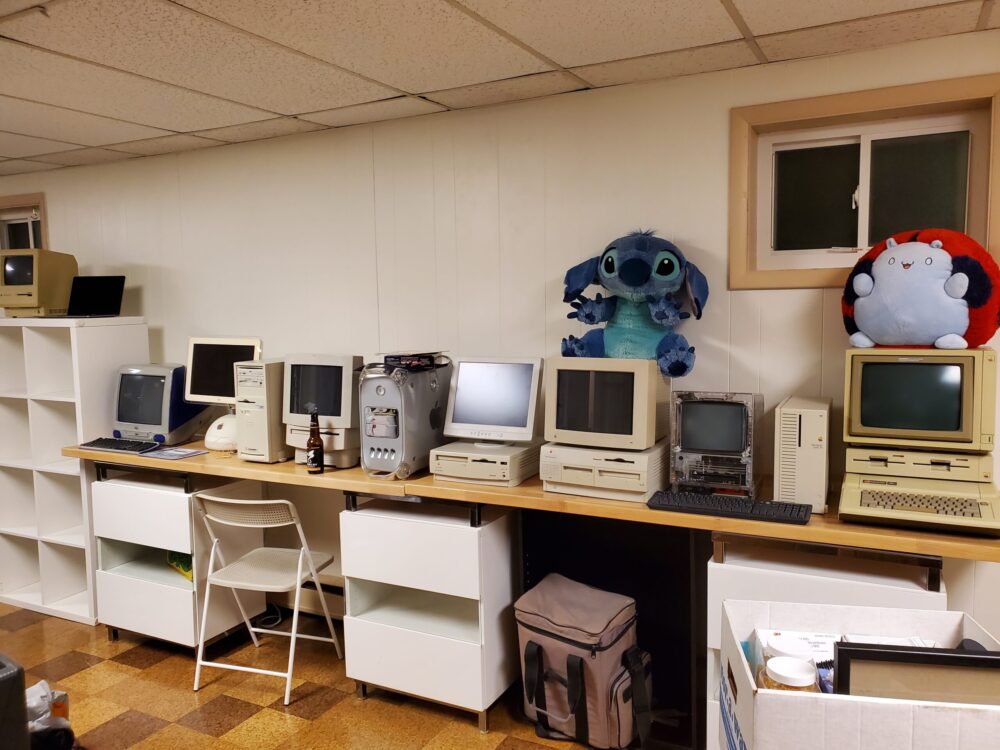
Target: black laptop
x,y
96,297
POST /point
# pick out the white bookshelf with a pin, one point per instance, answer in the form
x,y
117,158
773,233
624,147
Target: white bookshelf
x,y
56,389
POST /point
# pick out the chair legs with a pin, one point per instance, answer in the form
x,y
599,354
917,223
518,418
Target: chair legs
x,y
326,610
246,620
295,631
201,637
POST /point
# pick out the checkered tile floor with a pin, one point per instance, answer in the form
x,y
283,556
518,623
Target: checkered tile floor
x,y
137,693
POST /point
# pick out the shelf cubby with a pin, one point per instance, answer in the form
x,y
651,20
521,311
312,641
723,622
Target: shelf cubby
x,y
11,363
15,438
141,563
420,611
53,427
17,503
63,578
60,509
20,579
49,363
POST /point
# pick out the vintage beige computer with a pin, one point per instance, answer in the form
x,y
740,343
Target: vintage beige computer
x,y
919,428
35,282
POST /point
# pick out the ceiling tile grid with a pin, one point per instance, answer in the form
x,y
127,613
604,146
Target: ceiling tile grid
x,y
92,81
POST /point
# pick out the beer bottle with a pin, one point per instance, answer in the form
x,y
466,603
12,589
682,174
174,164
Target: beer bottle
x,y
314,446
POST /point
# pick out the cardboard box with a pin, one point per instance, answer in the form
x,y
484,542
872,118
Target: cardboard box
x,y
755,719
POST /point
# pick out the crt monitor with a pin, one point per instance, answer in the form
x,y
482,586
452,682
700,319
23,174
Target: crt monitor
x,y
149,405
35,282
932,399
210,375
324,383
493,399
605,403
712,426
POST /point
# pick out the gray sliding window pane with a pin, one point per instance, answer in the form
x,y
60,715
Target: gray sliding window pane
x,y
812,197
918,182
17,236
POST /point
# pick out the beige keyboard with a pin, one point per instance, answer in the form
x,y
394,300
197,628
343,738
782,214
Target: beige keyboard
x,y
939,504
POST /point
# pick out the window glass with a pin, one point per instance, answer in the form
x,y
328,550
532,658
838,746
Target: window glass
x,y
17,235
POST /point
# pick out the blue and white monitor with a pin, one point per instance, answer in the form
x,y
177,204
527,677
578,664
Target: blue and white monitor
x,y
149,405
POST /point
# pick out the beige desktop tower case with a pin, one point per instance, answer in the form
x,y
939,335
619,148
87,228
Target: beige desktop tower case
x,y
801,451
260,434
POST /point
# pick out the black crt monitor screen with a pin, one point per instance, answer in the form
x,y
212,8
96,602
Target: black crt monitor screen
x,y
96,295
911,396
595,401
212,368
316,388
19,270
713,426
493,394
140,399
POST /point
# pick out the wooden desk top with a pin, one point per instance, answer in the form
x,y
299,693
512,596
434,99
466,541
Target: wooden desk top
x,y
825,529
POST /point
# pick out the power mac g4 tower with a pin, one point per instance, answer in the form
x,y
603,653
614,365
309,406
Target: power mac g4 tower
x,y
403,399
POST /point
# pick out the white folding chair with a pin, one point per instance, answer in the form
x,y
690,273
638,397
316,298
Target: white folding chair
x,y
262,569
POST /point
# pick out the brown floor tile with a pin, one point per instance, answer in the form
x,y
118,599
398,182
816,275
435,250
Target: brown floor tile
x,y
89,713
463,736
219,715
20,618
145,655
309,701
506,718
262,689
168,703
63,666
123,731
6,609
514,743
265,730
174,736
97,678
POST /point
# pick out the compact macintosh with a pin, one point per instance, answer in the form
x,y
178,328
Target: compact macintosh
x,y
328,385
35,282
211,379
919,426
493,403
150,405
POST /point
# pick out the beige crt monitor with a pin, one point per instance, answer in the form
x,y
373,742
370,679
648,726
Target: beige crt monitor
x,y
35,282
606,403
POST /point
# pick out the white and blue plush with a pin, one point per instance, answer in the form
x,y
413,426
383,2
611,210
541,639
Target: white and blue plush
x,y
649,279
912,296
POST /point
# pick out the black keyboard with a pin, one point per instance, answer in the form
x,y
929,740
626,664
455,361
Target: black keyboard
x,y
121,446
730,506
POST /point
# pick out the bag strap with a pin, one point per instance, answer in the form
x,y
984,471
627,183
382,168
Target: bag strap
x,y
641,709
576,688
534,686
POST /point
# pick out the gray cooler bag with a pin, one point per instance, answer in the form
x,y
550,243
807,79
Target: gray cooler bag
x,y
584,677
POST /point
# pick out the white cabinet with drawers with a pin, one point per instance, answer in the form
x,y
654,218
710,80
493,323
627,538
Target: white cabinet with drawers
x,y
138,520
430,601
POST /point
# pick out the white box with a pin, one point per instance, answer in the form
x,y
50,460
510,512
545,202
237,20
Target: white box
x,y
756,719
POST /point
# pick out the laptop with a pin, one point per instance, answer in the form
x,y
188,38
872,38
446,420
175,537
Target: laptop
x,y
95,297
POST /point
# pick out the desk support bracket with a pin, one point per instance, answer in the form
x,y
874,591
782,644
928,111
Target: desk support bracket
x,y
102,467
475,509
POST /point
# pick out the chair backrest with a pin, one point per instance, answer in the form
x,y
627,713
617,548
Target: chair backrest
x,y
258,514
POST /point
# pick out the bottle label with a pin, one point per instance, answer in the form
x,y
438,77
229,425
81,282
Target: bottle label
x,y
314,458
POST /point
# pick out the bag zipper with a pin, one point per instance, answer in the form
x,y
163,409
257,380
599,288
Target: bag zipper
x,y
563,625
594,648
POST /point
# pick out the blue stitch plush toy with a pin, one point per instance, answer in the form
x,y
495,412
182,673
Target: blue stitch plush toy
x,y
649,279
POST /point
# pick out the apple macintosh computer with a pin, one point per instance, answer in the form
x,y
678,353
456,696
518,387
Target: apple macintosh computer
x,y
919,427
35,282
328,385
211,379
493,405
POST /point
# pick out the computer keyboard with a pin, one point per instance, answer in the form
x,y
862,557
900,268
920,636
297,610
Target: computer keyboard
x,y
730,506
121,446
942,505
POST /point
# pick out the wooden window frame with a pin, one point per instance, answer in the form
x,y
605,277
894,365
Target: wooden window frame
x,y
748,123
28,200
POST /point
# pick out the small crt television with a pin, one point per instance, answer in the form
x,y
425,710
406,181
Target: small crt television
x,y
36,282
494,399
926,399
606,403
713,439
149,405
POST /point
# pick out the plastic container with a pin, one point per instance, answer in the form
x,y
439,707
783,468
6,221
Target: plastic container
x,y
789,673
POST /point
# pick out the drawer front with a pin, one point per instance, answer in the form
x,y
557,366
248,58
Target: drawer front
x,y
428,666
415,554
148,608
153,517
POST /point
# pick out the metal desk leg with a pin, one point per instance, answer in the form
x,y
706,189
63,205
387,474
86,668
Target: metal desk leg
x,y
351,500
112,634
484,721
476,515
362,690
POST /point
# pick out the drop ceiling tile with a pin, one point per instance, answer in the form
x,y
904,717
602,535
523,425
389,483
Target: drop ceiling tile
x,y
390,109
84,156
55,123
13,145
255,131
35,74
872,32
169,43
166,145
415,45
511,89
579,32
768,17
21,166
669,64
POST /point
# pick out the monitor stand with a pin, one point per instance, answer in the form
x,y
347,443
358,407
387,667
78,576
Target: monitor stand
x,y
492,443
221,434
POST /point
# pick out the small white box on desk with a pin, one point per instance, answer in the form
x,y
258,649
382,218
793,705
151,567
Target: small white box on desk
x,y
756,719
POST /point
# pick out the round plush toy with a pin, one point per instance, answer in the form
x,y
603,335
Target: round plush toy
x,y
932,287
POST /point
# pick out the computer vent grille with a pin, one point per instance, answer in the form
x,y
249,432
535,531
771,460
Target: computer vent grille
x,y
788,443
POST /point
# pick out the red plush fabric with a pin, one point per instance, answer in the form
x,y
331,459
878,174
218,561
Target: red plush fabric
x,y
983,295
